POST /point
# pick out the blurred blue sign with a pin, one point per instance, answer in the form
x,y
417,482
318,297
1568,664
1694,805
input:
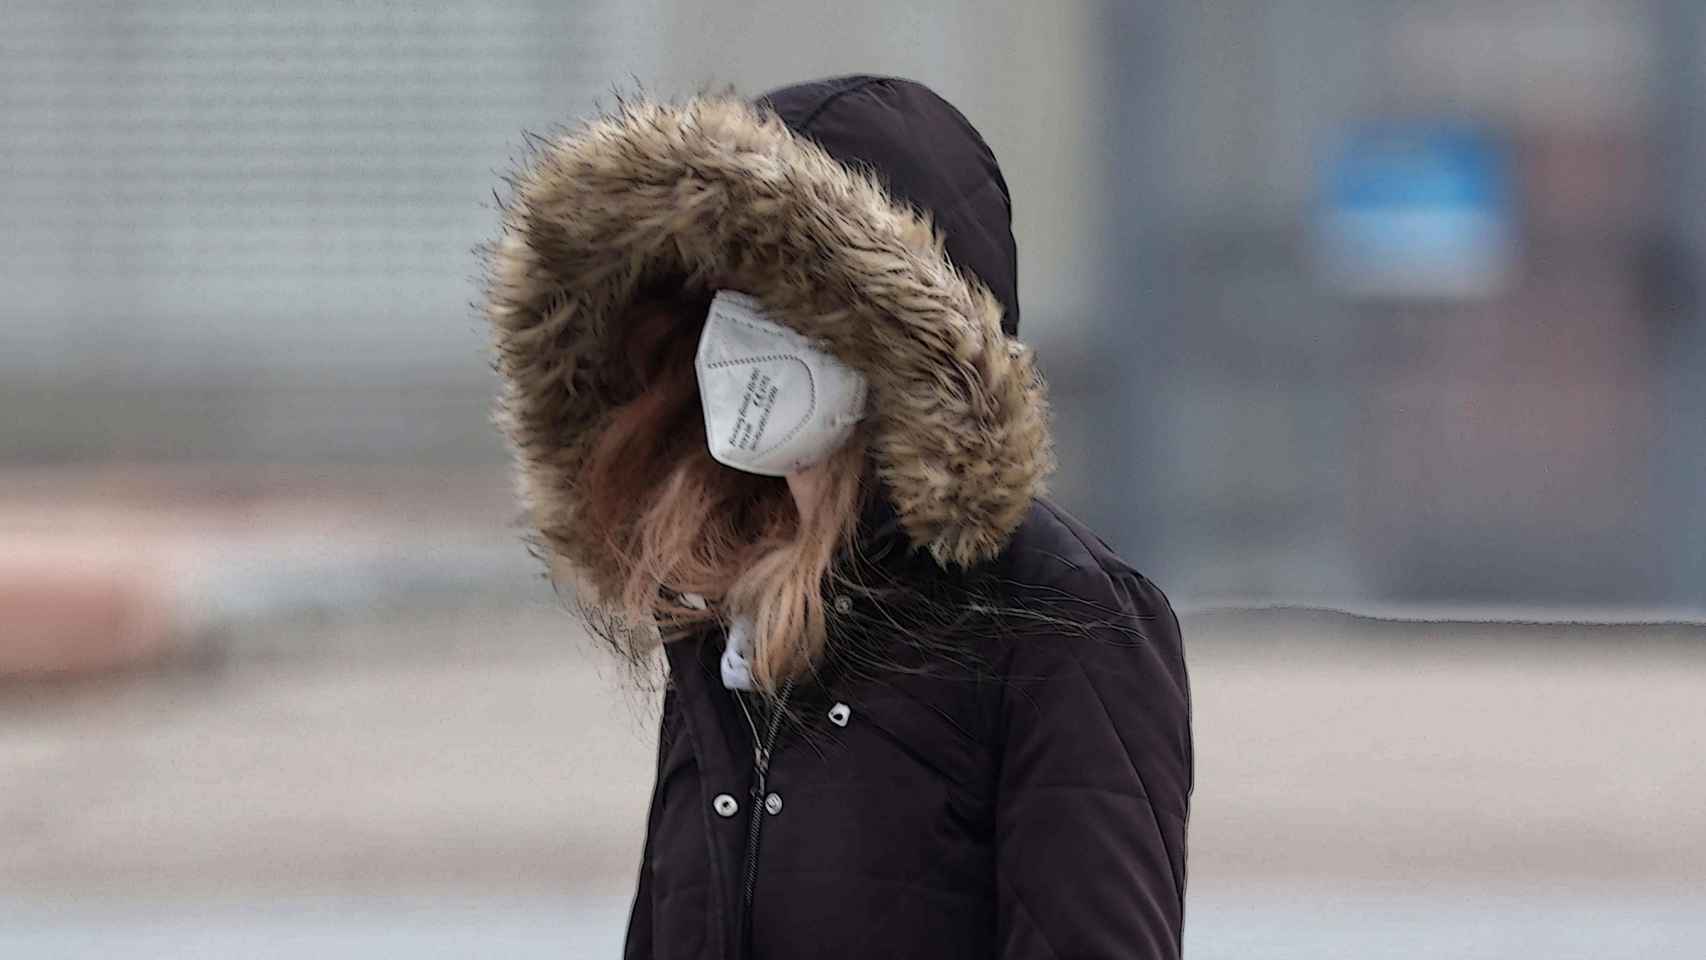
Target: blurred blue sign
x,y
1421,210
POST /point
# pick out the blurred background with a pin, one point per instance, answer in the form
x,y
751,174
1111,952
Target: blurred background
x,y
1375,334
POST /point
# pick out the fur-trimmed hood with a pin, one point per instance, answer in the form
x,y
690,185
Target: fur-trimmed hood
x,y
863,212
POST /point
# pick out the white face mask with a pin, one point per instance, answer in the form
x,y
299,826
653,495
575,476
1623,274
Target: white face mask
x,y
774,403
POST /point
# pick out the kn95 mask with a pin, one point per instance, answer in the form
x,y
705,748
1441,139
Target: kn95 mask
x,y
775,403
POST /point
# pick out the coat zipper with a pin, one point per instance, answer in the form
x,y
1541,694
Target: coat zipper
x,y
763,744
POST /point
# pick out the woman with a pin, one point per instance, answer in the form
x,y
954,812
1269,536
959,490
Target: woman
x,y
769,413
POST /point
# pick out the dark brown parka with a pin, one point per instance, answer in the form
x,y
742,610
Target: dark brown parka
x,y
994,759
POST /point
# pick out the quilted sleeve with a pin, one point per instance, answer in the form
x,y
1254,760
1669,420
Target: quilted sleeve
x,y
1096,777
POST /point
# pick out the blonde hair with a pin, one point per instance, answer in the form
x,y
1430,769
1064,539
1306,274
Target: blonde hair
x,y
676,522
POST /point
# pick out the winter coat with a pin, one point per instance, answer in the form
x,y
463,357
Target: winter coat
x,y
994,758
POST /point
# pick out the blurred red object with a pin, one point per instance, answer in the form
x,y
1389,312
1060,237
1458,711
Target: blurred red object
x,y
72,608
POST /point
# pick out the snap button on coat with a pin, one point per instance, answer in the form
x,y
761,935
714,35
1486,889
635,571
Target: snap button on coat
x,y
840,714
773,804
725,805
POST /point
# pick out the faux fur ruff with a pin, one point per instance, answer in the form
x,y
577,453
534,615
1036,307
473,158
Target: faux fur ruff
x,y
723,194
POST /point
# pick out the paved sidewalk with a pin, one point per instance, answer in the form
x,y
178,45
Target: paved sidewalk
x,y
494,752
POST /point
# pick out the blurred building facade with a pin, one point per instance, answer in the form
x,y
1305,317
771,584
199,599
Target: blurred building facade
x,y
1532,447
245,233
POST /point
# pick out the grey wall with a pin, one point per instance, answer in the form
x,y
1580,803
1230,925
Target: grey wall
x,y
245,231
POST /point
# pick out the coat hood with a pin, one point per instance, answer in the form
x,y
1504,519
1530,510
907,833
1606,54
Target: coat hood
x,y
863,212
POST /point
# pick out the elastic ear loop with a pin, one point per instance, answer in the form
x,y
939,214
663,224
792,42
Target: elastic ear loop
x,y
854,416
